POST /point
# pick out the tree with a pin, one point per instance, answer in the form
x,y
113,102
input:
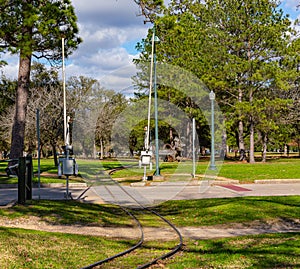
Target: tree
x,y
106,118
34,28
150,9
235,47
7,100
46,95
7,93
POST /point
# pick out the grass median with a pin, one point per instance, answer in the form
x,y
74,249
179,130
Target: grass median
x,y
36,249
21,248
281,168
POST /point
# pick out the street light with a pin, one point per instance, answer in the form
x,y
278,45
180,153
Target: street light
x,y
64,89
157,172
153,82
212,98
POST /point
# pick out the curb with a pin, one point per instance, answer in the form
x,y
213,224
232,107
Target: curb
x,y
46,185
276,181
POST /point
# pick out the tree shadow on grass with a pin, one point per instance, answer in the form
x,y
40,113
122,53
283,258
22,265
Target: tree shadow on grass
x,y
259,251
72,212
227,210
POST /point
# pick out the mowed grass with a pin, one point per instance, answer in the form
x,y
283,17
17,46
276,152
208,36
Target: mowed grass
x,y
202,212
38,250
283,168
32,249
266,251
207,212
275,169
89,170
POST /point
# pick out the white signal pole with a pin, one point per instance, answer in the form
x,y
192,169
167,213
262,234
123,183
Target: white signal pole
x,y
64,90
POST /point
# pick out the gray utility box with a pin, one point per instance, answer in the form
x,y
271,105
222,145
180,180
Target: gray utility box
x,y
146,157
68,167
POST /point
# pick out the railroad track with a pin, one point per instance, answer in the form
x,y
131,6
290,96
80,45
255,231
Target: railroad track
x,y
134,211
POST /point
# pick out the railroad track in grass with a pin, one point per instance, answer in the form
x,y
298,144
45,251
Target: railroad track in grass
x,y
134,209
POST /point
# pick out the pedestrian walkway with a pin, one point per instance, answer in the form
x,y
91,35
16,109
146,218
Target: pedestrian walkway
x,y
156,193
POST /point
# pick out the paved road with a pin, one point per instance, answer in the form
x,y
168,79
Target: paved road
x,y
156,193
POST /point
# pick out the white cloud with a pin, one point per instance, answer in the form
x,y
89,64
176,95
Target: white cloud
x,y
110,30
100,63
108,12
11,69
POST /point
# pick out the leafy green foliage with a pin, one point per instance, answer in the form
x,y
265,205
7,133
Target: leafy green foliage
x,y
34,28
149,9
244,51
37,27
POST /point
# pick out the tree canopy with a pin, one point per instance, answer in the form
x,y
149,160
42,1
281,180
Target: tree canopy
x,y
34,28
245,51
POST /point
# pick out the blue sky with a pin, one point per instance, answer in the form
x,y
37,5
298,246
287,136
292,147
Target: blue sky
x,y
290,7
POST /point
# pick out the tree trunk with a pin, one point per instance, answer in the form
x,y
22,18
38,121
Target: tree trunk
x,y
94,153
241,143
251,149
18,129
264,149
189,140
54,154
224,151
101,149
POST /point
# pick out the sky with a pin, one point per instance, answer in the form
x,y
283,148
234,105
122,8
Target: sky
x,y
110,30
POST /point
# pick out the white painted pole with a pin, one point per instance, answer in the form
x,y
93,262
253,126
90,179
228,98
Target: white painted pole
x,y
64,90
150,93
194,150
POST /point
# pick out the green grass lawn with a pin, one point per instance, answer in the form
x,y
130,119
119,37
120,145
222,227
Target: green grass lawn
x,y
203,212
31,249
206,212
276,169
212,211
39,250
259,252
284,168
244,172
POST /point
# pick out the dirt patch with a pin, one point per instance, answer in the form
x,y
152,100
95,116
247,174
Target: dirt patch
x,y
150,233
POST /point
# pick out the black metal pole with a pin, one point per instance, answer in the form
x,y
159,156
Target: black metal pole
x,y
29,171
21,181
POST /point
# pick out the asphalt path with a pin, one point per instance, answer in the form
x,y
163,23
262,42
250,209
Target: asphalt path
x,y
150,194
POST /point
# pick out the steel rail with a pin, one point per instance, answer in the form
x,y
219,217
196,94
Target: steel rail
x,y
139,244
125,251
168,254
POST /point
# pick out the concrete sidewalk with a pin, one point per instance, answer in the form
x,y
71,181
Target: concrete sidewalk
x,y
156,192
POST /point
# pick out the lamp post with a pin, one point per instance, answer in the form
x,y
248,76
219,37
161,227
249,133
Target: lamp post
x,y
64,89
157,172
212,98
